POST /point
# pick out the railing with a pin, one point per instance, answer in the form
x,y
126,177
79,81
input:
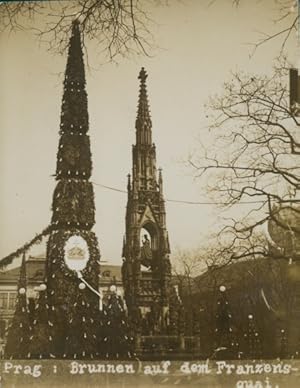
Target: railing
x,y
163,344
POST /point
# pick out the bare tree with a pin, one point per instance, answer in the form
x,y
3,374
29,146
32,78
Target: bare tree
x,y
286,21
119,27
254,162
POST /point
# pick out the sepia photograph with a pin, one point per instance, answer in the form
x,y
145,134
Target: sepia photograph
x,y
150,205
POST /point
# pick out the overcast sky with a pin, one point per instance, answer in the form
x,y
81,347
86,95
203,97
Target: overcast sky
x,y
199,46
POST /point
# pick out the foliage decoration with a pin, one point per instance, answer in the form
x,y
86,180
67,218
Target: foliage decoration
x,y
73,204
74,156
22,250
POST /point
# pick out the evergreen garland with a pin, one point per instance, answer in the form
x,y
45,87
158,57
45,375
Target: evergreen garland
x,y
36,240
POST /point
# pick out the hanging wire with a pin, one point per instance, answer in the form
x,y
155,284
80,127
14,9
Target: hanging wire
x,y
191,202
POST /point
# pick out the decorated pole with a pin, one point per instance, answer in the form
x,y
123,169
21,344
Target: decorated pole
x,y
72,251
283,344
41,340
254,348
225,347
118,343
19,331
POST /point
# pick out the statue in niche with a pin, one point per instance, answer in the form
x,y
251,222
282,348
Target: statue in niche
x,y
150,319
146,252
156,317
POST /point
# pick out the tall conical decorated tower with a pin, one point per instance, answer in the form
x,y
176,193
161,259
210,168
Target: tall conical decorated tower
x,y
146,267
72,264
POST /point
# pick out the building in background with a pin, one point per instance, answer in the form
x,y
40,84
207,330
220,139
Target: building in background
x,y
35,269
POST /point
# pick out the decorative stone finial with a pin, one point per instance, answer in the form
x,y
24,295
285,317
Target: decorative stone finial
x,y
143,75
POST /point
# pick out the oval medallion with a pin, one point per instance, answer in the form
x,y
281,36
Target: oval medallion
x,y
76,253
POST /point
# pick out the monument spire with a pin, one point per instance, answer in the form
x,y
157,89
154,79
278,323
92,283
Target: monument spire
x,y
143,122
144,154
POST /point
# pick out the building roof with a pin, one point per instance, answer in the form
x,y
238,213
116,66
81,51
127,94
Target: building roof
x,y
35,269
111,271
